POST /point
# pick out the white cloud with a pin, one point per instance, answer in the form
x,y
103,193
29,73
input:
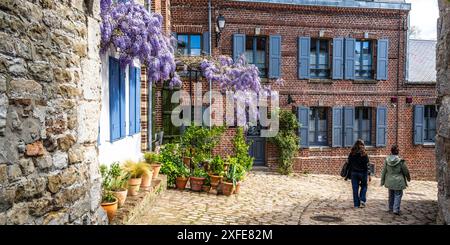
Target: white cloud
x,y
424,15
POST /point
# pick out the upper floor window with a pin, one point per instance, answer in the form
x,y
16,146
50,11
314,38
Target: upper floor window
x,y
256,51
190,44
430,123
319,59
318,130
362,127
363,60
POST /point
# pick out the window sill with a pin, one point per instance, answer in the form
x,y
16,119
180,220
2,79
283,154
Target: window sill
x,y
364,81
319,148
429,145
318,80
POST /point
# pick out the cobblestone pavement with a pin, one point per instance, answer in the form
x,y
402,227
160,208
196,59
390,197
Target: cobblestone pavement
x,y
270,198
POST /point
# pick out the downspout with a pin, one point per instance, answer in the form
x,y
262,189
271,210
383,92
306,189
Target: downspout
x,y
149,102
401,24
210,53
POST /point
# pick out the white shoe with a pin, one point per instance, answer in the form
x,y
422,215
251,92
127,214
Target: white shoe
x,y
363,204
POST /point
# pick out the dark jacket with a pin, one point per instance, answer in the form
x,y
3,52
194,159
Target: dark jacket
x,y
395,173
359,163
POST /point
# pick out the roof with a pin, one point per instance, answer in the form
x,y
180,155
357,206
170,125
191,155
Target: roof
x,y
375,4
421,60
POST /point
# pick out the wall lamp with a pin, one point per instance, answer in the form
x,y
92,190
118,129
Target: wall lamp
x,y
409,100
290,100
219,29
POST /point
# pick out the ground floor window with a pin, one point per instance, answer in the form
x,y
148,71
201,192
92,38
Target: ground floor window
x,y
171,132
318,130
430,124
362,127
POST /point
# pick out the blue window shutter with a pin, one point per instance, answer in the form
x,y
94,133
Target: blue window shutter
x,y
304,50
419,121
114,102
381,127
382,59
132,103
138,100
303,120
206,43
275,56
122,103
238,45
349,123
349,58
337,127
338,58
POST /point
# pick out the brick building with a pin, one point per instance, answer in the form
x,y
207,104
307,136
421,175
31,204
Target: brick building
x,y
347,71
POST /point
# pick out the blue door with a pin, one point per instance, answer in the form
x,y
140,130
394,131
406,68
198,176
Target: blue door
x,y
257,148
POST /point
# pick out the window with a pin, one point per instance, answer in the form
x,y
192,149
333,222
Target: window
x,y
255,53
318,130
190,44
319,59
171,133
362,127
363,60
430,124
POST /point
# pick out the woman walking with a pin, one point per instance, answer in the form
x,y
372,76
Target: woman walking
x,y
394,176
359,161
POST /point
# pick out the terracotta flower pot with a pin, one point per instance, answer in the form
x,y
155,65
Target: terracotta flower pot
x,y
196,183
227,188
215,180
181,182
146,183
133,186
110,209
121,196
237,187
187,161
206,188
156,168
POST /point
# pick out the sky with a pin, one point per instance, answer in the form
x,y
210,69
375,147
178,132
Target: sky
x,y
424,15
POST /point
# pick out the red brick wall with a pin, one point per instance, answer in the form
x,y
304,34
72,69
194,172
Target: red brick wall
x,y
292,22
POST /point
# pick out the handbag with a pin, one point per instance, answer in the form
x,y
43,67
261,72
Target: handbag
x,y
345,170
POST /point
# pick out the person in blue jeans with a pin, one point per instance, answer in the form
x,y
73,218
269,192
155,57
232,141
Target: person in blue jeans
x,y
359,168
395,176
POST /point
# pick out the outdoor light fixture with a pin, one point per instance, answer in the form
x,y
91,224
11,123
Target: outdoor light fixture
x,y
220,27
290,100
409,100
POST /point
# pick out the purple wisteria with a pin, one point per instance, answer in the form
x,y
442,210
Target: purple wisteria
x,y
137,34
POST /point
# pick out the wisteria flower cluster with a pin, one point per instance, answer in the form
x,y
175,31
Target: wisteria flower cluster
x,y
137,34
230,75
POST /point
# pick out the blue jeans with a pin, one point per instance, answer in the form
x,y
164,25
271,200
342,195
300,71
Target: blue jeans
x,y
395,198
359,179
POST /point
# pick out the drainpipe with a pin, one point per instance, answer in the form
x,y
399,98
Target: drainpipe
x,y
149,102
210,53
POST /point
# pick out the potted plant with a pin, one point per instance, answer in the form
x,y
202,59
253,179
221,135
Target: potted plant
x,y
182,178
230,181
240,174
216,171
171,159
153,159
206,185
135,172
109,201
118,182
197,179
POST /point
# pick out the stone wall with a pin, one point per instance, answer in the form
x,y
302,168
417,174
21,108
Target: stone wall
x,y
443,124
49,106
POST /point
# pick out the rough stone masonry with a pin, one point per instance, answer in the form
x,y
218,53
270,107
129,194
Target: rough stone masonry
x,y
443,124
49,106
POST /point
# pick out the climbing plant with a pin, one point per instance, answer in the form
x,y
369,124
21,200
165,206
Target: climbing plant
x,y
287,141
138,34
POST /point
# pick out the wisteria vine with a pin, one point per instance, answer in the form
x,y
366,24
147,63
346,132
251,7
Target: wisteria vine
x,y
137,34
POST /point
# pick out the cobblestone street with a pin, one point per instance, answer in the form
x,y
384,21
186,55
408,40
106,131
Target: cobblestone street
x,y
270,198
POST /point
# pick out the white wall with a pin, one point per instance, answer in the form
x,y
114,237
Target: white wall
x,y
123,149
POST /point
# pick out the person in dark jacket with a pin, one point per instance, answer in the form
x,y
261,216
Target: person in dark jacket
x,y
394,176
359,162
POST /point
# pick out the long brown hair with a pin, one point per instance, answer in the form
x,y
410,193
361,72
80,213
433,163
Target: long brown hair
x,y
358,147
